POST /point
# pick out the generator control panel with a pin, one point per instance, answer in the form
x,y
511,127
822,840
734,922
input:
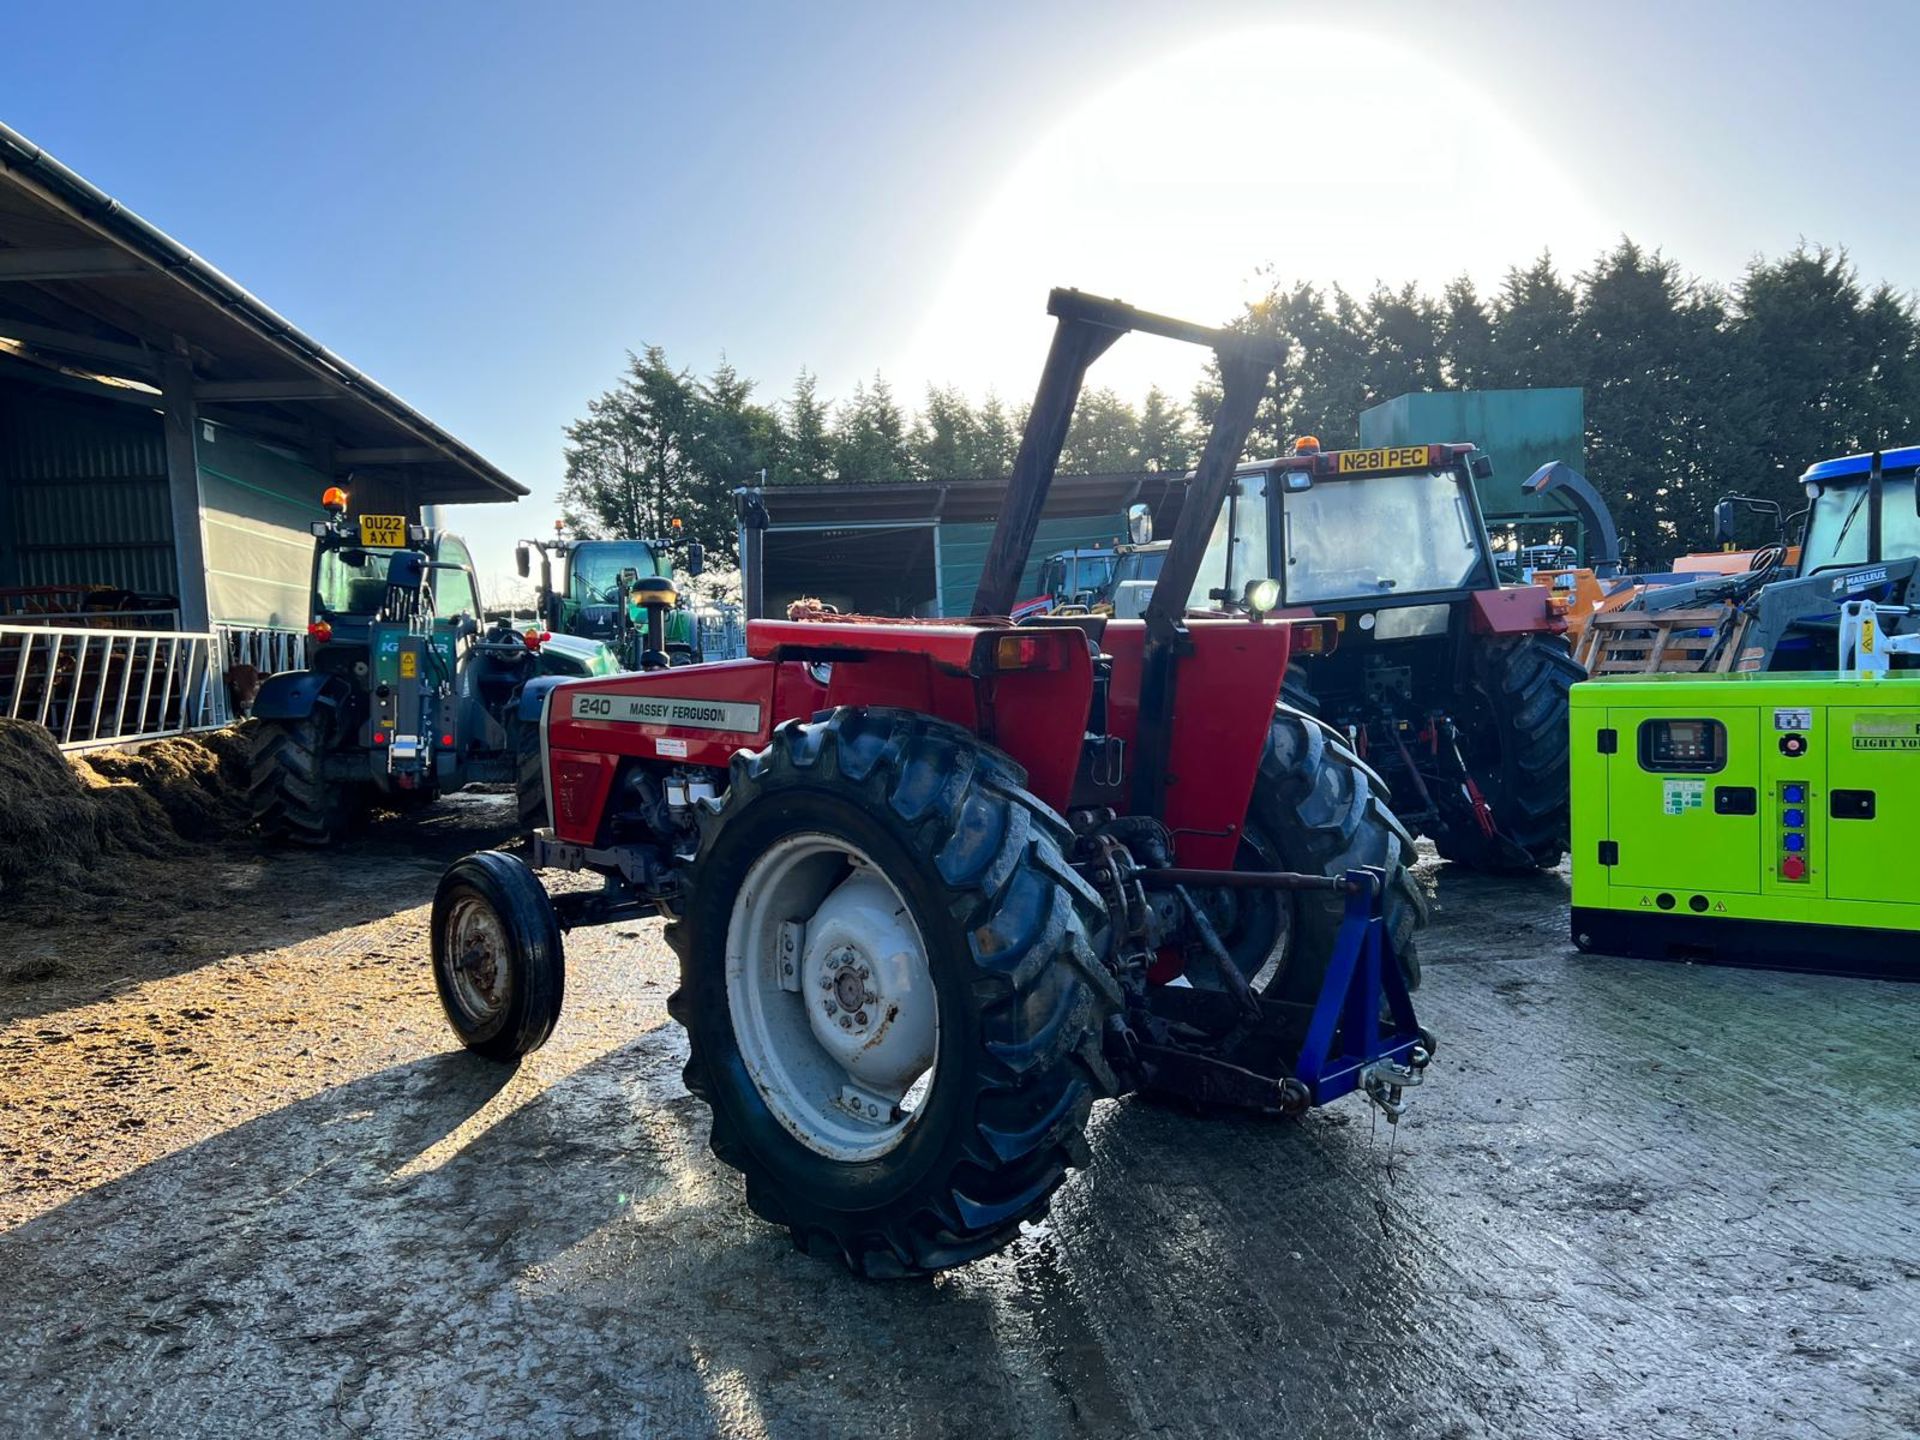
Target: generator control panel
x,y
1748,817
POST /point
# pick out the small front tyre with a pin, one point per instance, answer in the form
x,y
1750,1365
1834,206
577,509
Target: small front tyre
x,y
497,958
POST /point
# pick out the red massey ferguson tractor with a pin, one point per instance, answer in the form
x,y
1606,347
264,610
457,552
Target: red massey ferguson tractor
x,y
937,886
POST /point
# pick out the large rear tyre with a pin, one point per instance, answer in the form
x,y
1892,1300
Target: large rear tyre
x,y
1518,756
291,799
892,1004
498,962
1323,812
529,776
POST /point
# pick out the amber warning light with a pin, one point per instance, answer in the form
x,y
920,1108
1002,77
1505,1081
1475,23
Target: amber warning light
x,y
1314,637
334,499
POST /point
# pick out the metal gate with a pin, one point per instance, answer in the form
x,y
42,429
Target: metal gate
x,y
108,687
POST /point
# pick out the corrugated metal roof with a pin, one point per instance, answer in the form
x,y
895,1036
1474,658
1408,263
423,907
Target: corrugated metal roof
x,y
131,292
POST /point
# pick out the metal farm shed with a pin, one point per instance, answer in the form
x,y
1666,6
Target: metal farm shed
x,y
918,548
164,440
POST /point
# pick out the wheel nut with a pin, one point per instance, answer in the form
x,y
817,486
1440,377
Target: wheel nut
x,y
826,982
832,1009
861,1018
846,1022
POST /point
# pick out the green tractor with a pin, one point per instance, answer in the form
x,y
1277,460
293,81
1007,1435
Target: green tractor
x,y
610,589
405,694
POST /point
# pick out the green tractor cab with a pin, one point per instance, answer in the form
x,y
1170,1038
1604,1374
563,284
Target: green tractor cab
x,y
605,594
405,695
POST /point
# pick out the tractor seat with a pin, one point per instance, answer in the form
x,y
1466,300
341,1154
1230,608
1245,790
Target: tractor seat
x,y
1094,627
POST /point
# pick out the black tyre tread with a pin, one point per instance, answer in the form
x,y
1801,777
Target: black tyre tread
x,y
996,852
540,978
290,798
1326,812
1525,683
529,776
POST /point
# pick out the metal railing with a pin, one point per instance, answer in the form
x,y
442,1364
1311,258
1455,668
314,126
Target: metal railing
x,y
110,687
723,631
269,651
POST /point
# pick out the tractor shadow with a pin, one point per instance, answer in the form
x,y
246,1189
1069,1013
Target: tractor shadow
x,y
449,1245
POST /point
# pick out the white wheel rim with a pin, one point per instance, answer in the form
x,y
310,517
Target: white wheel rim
x,y
832,997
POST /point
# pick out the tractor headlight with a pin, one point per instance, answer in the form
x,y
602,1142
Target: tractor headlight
x,y
1263,595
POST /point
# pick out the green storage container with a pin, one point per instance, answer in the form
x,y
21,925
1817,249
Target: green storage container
x,y
1520,429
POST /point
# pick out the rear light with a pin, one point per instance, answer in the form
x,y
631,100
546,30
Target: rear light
x,y
1025,649
446,742
320,632
1016,652
1314,637
379,737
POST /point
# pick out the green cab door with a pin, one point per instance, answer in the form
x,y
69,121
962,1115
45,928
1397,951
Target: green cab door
x,y
1873,795
1683,800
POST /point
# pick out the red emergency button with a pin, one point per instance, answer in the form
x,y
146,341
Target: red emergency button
x,y
1793,868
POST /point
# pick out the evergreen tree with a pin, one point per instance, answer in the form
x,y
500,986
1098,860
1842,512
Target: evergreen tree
x,y
807,458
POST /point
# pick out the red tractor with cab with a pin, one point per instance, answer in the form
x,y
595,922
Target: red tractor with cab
x,y
1450,685
935,887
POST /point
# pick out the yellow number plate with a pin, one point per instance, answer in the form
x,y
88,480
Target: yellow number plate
x,y
1393,457
387,531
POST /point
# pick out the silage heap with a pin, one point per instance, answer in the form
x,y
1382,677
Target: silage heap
x,y
77,834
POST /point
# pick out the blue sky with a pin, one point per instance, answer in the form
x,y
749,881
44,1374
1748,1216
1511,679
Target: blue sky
x,y
485,205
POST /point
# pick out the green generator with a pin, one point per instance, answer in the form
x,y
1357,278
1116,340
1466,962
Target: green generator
x,y
1749,818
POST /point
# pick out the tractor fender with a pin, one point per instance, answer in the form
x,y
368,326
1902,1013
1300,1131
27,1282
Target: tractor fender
x,y
294,694
532,699
571,657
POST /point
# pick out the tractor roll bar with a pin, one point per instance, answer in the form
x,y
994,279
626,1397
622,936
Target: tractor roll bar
x,y
1087,326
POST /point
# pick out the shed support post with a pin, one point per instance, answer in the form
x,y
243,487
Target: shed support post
x,y
181,420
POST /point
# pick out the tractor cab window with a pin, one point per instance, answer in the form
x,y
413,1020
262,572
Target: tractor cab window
x,y
1237,551
453,589
1078,579
1837,527
1379,535
352,581
595,570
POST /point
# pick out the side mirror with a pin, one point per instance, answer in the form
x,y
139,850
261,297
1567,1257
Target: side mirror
x,y
1140,524
696,557
1723,524
1482,467
522,561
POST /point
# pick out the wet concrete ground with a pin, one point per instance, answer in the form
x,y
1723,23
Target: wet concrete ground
x,y
262,1195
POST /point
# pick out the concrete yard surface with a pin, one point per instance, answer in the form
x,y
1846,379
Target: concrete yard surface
x,y
250,1188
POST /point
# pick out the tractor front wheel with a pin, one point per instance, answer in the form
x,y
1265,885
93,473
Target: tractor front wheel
x,y
291,799
497,957
1517,755
891,998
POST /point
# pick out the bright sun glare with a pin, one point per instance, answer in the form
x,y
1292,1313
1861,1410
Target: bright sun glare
x,y
1307,153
